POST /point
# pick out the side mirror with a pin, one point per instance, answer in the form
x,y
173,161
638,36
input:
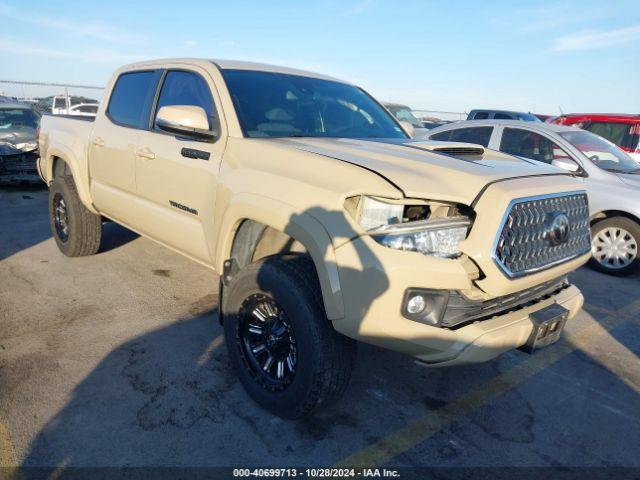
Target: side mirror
x,y
565,164
185,120
408,128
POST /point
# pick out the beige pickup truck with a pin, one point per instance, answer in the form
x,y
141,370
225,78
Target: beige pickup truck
x,y
326,222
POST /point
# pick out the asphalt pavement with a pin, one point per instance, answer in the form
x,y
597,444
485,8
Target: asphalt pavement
x,y
117,360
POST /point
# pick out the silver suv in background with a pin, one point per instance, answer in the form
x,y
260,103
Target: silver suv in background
x,y
611,178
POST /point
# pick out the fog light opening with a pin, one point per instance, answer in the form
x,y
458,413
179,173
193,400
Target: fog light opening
x,y
416,304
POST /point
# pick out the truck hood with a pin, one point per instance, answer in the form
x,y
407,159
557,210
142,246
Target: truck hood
x,y
420,172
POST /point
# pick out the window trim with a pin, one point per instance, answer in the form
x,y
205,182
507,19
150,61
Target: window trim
x,y
466,127
154,107
124,125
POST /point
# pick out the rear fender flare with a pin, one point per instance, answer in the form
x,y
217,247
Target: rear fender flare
x,y
62,154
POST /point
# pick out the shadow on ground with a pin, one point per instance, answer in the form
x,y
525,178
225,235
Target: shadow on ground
x,y
23,218
170,398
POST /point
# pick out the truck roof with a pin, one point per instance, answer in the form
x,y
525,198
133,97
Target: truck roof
x,y
225,64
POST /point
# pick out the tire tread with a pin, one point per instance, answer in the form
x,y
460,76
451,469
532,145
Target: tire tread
x,y
86,232
333,364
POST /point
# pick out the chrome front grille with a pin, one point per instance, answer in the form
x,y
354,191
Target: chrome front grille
x,y
529,240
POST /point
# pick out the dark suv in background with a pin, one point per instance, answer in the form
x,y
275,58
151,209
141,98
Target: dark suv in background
x,y
501,115
18,145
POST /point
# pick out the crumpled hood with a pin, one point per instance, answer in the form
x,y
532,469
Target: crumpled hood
x,y
17,140
420,173
630,179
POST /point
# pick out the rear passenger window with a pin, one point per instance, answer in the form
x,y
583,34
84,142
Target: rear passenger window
x,y
481,116
132,97
186,88
502,116
479,135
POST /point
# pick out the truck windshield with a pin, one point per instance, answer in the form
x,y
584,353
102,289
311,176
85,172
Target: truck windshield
x,y
281,105
602,153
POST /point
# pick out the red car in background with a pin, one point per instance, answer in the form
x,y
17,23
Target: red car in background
x,y
621,129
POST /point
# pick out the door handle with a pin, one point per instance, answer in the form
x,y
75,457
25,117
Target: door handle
x,y
98,142
145,153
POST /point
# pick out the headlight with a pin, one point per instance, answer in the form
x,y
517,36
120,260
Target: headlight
x,y
437,237
430,228
375,213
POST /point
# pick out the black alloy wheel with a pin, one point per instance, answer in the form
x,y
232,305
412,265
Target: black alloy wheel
x,y
267,343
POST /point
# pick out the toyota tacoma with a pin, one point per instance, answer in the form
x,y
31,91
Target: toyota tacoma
x,y
326,222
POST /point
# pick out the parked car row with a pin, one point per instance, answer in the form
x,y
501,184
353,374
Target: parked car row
x,y
68,105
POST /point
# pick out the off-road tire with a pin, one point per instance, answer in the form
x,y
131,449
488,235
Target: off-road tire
x,y
325,357
84,226
633,229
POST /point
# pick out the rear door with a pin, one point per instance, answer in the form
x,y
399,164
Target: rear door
x,y
113,144
176,176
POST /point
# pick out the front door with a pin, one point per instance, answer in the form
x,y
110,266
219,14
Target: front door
x,y
176,177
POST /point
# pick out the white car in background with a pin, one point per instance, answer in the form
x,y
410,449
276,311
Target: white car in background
x,y
69,105
84,110
611,178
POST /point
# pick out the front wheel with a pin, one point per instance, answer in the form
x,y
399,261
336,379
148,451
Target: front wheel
x,y
287,355
614,246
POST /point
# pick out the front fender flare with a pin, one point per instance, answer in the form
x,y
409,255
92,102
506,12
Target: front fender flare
x,y
299,225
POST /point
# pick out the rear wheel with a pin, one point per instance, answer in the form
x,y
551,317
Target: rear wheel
x,y
286,353
614,246
77,230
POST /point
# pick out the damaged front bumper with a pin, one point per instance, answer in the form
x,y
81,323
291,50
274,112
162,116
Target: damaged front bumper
x,y
19,168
